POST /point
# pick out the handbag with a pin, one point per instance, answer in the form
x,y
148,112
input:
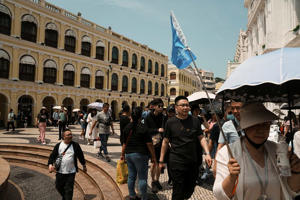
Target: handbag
x,y
58,160
122,172
122,167
97,143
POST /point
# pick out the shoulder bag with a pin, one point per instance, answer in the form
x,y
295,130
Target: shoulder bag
x,y
58,160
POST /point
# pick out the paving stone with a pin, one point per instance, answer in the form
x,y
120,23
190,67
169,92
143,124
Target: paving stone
x,y
29,135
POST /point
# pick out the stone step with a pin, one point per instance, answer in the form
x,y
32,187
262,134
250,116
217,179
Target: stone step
x,y
87,186
95,173
98,171
78,192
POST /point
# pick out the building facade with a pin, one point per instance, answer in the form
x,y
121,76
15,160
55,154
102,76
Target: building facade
x,y
182,82
241,53
208,79
272,24
49,56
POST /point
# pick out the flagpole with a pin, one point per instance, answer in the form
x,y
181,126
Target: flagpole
x,y
211,105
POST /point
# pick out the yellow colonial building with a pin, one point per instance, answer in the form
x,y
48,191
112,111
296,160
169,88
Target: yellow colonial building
x,y
49,56
182,82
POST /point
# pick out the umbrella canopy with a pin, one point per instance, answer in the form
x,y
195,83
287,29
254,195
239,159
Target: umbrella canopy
x,y
58,108
200,97
96,105
271,77
278,112
76,110
285,106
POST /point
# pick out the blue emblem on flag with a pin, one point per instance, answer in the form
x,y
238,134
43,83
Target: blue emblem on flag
x,y
180,53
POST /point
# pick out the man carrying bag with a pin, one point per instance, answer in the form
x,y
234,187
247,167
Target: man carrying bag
x,y
63,160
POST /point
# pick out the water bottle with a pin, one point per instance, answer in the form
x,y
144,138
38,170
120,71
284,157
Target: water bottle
x,y
283,162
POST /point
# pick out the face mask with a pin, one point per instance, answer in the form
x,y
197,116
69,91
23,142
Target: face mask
x,y
254,144
230,117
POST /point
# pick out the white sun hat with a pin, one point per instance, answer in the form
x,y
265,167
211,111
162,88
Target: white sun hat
x,y
255,113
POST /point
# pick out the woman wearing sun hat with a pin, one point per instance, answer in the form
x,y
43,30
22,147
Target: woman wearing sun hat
x,y
252,173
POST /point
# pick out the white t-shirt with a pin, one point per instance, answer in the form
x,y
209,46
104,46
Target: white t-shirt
x,y
297,143
252,188
67,164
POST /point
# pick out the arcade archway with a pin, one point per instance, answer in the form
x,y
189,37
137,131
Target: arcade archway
x,y
83,105
25,111
3,110
114,109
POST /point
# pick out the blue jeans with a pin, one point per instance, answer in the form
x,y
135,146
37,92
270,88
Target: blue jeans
x,y
103,139
137,166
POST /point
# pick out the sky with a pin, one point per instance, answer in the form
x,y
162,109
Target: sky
x,y
211,27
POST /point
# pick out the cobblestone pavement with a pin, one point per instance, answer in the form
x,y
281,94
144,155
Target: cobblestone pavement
x,y
29,135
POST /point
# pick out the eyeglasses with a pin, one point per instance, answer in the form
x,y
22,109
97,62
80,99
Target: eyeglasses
x,y
235,108
184,105
160,105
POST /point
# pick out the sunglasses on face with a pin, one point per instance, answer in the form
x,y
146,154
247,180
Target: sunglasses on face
x,y
160,105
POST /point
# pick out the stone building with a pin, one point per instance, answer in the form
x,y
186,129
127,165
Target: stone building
x,y
49,56
272,24
182,82
208,80
241,53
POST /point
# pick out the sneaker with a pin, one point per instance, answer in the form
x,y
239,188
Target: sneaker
x,y
99,154
134,198
154,187
158,185
107,158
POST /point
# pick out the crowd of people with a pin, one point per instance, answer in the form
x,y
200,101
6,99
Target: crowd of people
x,y
187,141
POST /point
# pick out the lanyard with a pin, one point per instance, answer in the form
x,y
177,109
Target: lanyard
x,y
262,185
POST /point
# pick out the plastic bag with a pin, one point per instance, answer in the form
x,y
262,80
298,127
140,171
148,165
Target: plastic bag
x,y
97,144
122,172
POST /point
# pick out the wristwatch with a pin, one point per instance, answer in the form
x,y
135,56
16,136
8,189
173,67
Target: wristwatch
x,y
205,153
161,162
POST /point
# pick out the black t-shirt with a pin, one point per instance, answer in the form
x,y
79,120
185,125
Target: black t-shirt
x,y
214,133
138,139
124,120
183,136
42,117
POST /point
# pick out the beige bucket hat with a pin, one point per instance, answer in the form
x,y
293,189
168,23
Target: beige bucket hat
x,y
255,113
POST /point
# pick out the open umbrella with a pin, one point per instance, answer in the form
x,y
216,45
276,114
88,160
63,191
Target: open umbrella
x,y
200,97
96,105
277,112
271,77
76,110
285,106
56,107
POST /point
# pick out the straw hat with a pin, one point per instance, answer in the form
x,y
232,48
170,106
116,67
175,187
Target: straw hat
x,y
255,113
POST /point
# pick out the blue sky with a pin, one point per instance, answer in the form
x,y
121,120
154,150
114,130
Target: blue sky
x,y
211,27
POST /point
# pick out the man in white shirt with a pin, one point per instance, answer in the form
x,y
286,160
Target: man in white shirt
x,y
65,175
11,120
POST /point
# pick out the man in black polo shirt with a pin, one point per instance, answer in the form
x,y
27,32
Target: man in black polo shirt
x,y
184,135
